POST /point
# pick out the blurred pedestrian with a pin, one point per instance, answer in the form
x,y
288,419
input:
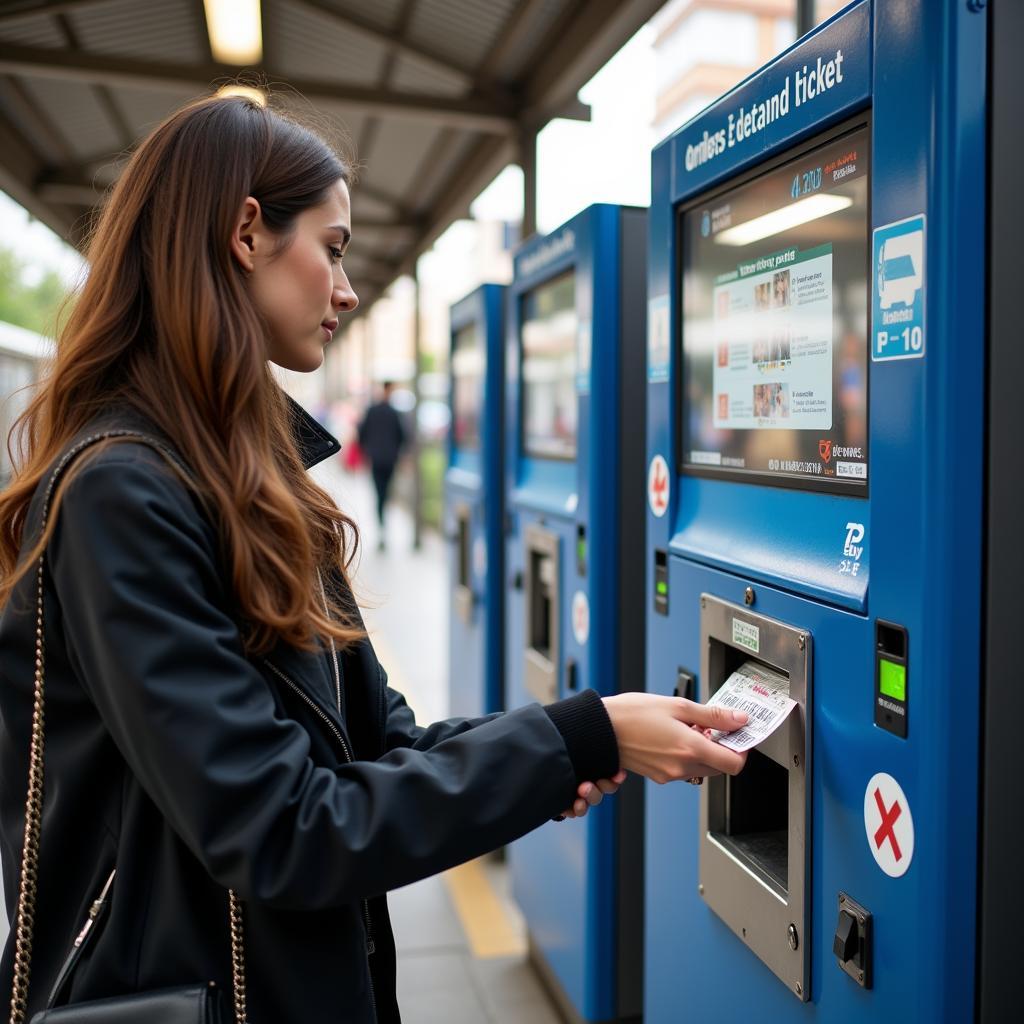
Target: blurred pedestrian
x,y
382,438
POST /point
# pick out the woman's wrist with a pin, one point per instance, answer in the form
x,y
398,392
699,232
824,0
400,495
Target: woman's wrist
x,y
588,734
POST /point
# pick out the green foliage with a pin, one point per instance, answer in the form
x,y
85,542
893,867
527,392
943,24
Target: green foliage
x,y
433,458
35,307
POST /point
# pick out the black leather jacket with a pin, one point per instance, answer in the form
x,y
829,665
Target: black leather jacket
x,y
192,769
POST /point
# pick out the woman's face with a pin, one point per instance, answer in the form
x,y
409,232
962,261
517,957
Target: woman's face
x,y
301,289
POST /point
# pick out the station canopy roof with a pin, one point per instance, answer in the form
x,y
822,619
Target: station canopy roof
x,y
436,96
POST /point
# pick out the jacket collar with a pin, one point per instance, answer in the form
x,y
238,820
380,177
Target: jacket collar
x,y
314,442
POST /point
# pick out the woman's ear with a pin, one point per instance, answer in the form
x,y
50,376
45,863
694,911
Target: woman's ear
x,y
247,234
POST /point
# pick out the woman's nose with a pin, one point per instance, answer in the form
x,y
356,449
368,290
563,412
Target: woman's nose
x,y
344,298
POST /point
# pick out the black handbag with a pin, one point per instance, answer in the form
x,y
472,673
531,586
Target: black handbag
x,y
188,1004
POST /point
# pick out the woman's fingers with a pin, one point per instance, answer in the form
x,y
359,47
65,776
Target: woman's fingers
x,y
715,756
709,716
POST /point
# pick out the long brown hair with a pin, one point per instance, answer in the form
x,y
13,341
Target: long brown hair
x,y
165,325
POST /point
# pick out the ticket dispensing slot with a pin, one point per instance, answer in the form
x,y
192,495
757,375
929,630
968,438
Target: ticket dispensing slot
x,y
542,614
464,584
755,828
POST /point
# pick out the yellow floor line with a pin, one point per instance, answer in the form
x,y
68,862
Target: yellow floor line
x,y
487,924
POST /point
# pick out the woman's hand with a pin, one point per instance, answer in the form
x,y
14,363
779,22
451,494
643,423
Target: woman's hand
x,y
657,739
590,794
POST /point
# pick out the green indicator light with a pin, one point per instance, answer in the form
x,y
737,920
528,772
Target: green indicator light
x,y
581,549
662,588
892,679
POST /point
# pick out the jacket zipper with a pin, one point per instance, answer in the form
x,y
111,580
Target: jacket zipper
x,y
336,732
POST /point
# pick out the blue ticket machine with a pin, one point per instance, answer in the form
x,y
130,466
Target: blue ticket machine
x,y
574,555
815,411
474,505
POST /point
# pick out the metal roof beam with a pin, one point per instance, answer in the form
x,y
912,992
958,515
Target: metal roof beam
x,y
395,39
15,11
596,31
18,169
473,112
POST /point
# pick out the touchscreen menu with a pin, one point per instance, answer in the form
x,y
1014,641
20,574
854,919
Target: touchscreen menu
x,y
549,369
467,385
774,323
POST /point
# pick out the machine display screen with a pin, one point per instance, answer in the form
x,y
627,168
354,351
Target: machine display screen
x,y
774,324
550,410
467,385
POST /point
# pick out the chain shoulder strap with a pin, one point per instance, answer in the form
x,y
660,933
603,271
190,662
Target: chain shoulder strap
x,y
28,888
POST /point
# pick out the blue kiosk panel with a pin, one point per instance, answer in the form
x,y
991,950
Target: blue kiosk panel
x,y
815,409
474,506
574,478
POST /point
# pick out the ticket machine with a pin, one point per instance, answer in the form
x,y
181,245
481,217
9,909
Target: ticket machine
x,y
474,502
815,414
574,560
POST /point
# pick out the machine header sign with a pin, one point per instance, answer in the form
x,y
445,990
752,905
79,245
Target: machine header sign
x,y
824,76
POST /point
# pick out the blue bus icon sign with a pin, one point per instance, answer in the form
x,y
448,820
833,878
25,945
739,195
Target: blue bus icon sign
x,y
898,306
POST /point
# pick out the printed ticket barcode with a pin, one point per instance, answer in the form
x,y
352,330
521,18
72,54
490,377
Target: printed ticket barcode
x,y
763,695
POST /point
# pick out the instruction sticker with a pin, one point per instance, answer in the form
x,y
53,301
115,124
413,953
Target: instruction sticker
x,y
581,618
658,350
745,634
763,695
897,320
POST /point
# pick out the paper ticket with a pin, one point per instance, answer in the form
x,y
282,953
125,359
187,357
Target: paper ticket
x,y
763,695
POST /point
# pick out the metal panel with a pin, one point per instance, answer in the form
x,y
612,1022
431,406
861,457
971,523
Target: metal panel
x,y
395,160
382,13
169,31
459,30
78,114
144,109
33,31
524,50
733,880
411,75
309,44
12,107
1003,697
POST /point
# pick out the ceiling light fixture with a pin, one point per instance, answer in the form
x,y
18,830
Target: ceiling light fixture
x,y
236,35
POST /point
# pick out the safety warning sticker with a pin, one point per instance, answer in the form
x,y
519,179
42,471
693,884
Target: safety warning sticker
x,y
658,485
888,824
763,695
580,617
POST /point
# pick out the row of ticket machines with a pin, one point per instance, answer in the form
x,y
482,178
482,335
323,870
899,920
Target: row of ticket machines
x,y
747,425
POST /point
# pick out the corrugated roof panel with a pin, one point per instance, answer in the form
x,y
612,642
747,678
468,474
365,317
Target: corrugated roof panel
x,y
144,109
448,164
172,31
461,31
77,114
525,49
12,108
311,45
39,30
411,75
395,159
382,13
339,129
366,206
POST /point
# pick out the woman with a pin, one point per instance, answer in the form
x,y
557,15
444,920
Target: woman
x,y
215,717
